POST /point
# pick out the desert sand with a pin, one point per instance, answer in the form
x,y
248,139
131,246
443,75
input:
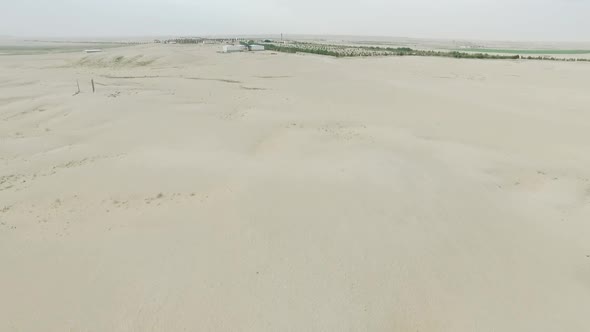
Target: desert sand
x,y
198,191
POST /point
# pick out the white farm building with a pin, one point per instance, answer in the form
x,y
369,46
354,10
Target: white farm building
x,y
256,48
234,48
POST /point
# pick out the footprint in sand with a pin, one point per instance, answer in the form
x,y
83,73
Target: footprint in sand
x,y
152,199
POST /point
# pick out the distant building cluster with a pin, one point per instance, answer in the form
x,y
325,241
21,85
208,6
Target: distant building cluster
x,y
201,40
187,40
230,45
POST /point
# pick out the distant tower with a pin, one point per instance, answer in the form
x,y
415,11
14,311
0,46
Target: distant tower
x,y
281,36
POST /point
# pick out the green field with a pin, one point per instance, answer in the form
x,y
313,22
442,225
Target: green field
x,y
508,51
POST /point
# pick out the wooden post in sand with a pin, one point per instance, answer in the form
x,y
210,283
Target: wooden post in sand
x,y
77,92
92,81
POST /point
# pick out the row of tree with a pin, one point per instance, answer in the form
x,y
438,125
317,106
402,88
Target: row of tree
x,y
295,49
345,51
354,51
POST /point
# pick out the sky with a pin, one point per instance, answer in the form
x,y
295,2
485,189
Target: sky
x,y
518,20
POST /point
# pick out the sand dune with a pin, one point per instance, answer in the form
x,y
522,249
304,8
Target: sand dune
x,y
200,191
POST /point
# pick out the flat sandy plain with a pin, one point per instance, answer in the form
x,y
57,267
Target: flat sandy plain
x,y
198,191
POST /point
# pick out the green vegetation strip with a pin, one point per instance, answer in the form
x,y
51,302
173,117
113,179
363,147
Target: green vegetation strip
x,y
345,51
355,51
508,51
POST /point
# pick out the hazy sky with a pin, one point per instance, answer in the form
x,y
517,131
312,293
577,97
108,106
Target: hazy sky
x,y
544,20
